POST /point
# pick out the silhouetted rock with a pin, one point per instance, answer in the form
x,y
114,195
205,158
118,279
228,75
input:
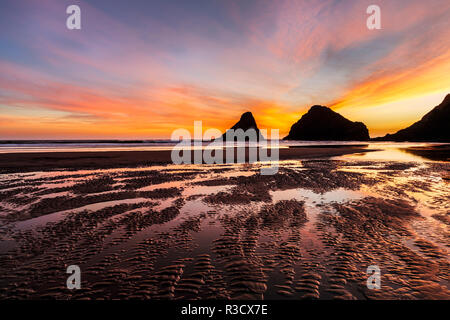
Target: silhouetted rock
x,y
245,123
322,123
434,126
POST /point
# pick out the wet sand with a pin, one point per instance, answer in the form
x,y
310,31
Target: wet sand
x,y
437,152
44,161
226,232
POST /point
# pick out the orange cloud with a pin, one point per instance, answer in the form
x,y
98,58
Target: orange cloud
x,y
117,79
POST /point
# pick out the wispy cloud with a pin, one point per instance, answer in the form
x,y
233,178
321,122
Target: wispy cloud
x,y
144,69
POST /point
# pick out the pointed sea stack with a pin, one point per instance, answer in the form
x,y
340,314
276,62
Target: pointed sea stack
x,y
321,123
246,122
433,127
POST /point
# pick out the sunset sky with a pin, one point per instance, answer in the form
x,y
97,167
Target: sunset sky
x,y
140,69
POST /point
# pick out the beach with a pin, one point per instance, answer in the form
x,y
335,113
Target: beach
x,y
141,228
44,161
225,159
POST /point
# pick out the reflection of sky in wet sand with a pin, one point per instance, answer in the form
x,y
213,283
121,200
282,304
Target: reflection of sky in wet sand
x,y
416,183
387,151
312,198
191,207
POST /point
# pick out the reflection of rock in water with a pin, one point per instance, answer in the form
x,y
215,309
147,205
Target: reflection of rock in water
x,y
138,234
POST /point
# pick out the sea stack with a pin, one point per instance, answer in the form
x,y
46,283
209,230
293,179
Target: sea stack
x,y
434,126
322,123
246,122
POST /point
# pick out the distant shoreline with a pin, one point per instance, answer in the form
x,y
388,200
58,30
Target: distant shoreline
x,y
119,141
167,141
46,161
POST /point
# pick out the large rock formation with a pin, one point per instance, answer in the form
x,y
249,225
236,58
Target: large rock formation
x,y
434,126
246,122
322,123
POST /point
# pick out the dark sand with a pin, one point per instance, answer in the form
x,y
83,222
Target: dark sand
x,y
44,161
438,152
224,231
